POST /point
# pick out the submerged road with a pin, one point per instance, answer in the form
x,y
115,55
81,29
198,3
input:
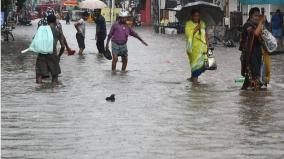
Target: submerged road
x,y
157,114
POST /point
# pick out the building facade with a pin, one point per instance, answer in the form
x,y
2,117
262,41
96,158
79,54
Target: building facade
x,y
268,8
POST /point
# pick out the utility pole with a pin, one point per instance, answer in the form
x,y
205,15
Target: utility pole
x,y
111,12
226,9
159,11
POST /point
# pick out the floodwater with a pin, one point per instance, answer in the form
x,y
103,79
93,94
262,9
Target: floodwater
x,y
157,114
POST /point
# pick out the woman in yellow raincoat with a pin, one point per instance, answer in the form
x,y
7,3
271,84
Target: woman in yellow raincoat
x,y
196,45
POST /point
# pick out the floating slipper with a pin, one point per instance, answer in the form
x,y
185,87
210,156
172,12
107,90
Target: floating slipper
x,y
111,98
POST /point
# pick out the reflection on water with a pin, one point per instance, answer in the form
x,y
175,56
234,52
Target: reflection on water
x,y
157,112
263,123
255,108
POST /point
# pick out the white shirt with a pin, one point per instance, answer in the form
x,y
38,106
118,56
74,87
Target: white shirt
x,y
82,26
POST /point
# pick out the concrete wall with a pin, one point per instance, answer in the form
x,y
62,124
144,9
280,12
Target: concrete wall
x,y
275,7
233,5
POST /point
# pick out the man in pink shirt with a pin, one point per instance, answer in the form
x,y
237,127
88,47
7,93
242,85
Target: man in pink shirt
x,y
118,35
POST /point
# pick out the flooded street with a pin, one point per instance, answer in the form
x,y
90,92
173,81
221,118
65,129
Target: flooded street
x,y
157,114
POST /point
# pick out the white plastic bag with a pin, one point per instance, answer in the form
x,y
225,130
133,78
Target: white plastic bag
x,y
269,40
210,63
42,42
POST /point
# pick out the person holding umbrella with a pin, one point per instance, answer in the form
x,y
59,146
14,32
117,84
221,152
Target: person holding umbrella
x,y
197,45
119,35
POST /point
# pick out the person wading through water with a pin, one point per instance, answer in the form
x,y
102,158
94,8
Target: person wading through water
x,y
118,35
197,45
255,60
81,29
49,63
101,30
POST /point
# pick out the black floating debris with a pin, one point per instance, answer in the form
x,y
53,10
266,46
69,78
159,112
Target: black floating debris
x,y
111,98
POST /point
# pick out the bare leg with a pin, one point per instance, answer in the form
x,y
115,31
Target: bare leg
x,y
81,51
114,61
124,63
38,79
194,80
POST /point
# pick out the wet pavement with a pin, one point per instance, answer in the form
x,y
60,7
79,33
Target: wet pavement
x,y
157,112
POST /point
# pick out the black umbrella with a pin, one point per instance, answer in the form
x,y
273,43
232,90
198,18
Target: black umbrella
x,y
210,13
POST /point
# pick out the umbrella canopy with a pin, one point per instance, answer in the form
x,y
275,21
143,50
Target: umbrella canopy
x,y
210,13
92,4
177,8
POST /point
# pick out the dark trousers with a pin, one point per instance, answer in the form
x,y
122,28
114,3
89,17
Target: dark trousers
x,y
101,45
81,40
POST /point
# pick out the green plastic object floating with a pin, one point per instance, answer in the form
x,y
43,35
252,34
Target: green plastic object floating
x,y
240,80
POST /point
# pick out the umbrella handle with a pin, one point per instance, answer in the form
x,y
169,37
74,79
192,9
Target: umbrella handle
x,y
199,27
